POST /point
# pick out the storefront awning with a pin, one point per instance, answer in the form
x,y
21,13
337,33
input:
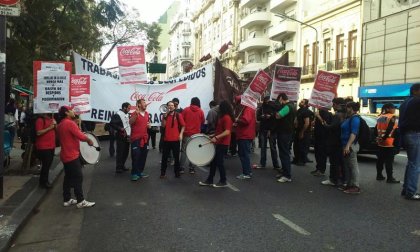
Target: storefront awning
x,y
22,90
382,91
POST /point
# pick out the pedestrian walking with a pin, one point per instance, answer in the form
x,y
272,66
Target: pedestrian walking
x,y
121,126
221,138
45,127
245,134
386,127
139,123
409,125
70,136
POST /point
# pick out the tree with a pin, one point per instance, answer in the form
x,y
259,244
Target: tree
x,y
130,29
49,30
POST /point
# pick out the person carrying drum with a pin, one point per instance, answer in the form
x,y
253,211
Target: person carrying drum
x,y
70,137
119,123
139,121
45,145
174,125
194,118
222,140
245,134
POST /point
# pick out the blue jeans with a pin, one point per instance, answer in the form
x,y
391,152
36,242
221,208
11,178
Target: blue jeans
x,y
217,162
271,138
283,143
411,178
244,151
138,157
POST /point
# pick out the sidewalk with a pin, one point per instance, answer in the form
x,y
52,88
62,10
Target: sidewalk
x,y
21,195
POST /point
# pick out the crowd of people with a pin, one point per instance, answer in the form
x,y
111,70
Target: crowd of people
x,y
232,128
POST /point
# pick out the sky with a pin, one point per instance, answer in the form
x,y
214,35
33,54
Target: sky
x,y
150,11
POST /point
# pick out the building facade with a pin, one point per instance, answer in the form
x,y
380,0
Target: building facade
x,y
390,51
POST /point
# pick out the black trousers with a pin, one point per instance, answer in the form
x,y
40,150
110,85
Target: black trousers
x,y
320,147
174,147
123,148
301,147
46,157
233,148
218,163
385,157
152,136
335,155
73,178
111,143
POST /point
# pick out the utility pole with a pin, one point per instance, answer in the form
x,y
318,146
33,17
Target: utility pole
x,y
2,92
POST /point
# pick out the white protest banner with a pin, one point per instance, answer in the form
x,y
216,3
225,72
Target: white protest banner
x,y
80,93
325,89
286,79
132,64
255,89
52,91
107,94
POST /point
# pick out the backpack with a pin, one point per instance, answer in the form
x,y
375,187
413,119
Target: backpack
x,y
363,138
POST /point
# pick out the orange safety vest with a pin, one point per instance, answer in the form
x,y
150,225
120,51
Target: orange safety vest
x,y
381,126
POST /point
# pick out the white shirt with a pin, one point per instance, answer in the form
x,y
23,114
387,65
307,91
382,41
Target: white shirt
x,y
125,120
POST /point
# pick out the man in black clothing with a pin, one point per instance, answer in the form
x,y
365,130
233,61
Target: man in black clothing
x,y
119,122
266,117
320,142
302,133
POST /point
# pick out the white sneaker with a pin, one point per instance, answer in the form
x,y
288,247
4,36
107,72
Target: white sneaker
x,y
70,202
85,203
284,180
327,182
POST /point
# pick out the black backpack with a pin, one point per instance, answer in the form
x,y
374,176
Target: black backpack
x,y
363,138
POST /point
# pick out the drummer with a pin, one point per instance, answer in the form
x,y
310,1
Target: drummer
x,y
70,136
222,140
194,119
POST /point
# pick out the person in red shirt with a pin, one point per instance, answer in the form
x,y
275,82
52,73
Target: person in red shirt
x,y
245,134
194,118
139,122
222,140
174,125
45,145
70,136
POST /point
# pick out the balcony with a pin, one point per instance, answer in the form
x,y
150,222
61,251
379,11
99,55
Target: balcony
x,y
250,3
280,31
185,57
256,18
346,65
252,67
308,70
276,56
186,44
277,6
186,32
254,44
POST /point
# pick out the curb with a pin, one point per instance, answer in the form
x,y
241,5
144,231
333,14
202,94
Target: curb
x,y
25,206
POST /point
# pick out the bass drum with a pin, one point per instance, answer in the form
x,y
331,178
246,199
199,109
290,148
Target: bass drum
x,y
89,154
200,150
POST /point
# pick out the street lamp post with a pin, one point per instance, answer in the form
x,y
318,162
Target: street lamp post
x,y
310,26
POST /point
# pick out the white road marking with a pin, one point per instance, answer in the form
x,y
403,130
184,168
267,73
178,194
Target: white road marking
x,y
416,232
229,185
402,155
291,224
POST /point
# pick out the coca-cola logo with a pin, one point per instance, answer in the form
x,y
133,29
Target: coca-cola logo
x,y
79,81
130,51
328,78
288,72
155,96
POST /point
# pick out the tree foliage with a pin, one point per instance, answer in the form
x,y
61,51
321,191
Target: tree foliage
x,y
49,30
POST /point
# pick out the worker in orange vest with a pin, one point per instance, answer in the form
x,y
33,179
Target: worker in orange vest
x,y
386,127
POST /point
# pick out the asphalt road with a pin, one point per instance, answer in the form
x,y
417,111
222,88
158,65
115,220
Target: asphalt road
x,y
255,215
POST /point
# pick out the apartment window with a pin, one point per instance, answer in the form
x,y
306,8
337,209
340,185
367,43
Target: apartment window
x,y
327,50
305,60
339,55
315,52
352,49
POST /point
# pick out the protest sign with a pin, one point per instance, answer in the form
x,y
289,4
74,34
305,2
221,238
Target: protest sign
x,y
255,89
325,90
286,80
132,64
80,93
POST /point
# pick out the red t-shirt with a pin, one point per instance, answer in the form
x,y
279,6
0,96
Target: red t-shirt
x,y
47,140
224,123
172,131
139,128
194,118
70,137
246,125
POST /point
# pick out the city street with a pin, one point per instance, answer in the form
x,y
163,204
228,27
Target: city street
x,y
255,215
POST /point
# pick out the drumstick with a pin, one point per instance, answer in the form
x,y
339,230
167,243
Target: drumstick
x,y
201,145
96,147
